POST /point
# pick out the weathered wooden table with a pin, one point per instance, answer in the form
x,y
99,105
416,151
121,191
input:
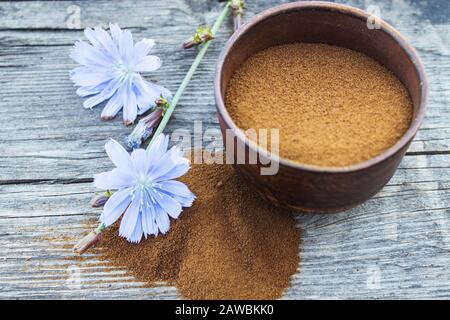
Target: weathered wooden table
x,y
397,245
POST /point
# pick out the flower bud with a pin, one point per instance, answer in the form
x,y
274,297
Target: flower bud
x,y
90,240
100,199
203,35
145,127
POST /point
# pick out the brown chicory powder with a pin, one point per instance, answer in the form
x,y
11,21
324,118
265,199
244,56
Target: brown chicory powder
x,y
333,106
230,245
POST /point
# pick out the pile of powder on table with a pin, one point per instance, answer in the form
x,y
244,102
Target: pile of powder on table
x,y
230,245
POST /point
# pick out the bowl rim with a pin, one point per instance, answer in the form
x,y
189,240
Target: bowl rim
x,y
346,10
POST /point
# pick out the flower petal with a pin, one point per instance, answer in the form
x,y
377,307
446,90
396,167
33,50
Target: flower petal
x,y
162,220
157,149
162,91
174,187
148,64
112,107
131,216
106,44
126,45
116,33
143,89
106,93
172,165
168,204
176,172
89,33
146,222
129,106
122,179
88,76
101,180
143,103
90,90
114,179
87,55
142,48
115,206
136,236
149,90
119,156
184,201
140,161
148,217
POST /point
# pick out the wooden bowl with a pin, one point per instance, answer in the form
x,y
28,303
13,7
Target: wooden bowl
x,y
308,188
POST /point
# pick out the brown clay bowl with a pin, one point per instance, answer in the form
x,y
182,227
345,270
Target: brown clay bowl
x,y
307,188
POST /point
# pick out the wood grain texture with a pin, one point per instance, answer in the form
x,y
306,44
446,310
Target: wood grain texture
x,y
50,147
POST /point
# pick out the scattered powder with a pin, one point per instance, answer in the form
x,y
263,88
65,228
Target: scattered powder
x,y
229,245
333,106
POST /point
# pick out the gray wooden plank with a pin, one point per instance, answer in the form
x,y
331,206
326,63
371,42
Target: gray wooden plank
x,y
55,15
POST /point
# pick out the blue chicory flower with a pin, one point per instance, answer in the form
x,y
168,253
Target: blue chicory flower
x,y
111,67
146,193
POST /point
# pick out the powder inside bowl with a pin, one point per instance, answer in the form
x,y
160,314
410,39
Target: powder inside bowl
x,y
229,245
333,106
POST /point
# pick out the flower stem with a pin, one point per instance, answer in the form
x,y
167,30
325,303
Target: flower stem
x,y
189,74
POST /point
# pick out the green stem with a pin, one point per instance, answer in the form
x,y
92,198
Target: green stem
x,y
100,228
189,74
